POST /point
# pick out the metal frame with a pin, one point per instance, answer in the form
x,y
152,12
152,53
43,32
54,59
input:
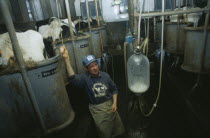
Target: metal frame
x,y
153,14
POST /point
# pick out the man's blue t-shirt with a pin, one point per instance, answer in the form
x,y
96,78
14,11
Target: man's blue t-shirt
x,y
99,89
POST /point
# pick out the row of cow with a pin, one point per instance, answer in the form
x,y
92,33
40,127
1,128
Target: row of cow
x,y
36,44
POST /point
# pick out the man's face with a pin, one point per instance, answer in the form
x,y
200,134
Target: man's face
x,y
93,69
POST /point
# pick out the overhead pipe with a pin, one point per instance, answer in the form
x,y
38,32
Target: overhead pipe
x,y
71,29
19,57
152,14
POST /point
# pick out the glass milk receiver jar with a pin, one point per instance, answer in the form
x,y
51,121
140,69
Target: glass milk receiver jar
x,y
138,69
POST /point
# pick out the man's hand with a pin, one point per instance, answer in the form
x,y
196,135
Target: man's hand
x,y
64,52
67,60
114,105
114,108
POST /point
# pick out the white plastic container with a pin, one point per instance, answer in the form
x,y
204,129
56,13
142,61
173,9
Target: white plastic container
x,y
138,70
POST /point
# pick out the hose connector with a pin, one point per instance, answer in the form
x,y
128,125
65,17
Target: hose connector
x,y
137,51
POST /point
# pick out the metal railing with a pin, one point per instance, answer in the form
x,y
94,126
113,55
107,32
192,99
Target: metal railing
x,y
153,14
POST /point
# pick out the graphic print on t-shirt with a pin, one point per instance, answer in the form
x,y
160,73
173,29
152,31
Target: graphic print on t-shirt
x,y
99,89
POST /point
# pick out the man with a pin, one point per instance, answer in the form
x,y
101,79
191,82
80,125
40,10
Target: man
x,y
101,92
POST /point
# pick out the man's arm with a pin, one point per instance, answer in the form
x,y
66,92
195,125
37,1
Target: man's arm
x,y
65,55
114,91
114,105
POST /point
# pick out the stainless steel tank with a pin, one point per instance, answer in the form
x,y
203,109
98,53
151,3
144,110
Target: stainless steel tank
x,y
77,52
98,41
175,37
17,116
193,50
